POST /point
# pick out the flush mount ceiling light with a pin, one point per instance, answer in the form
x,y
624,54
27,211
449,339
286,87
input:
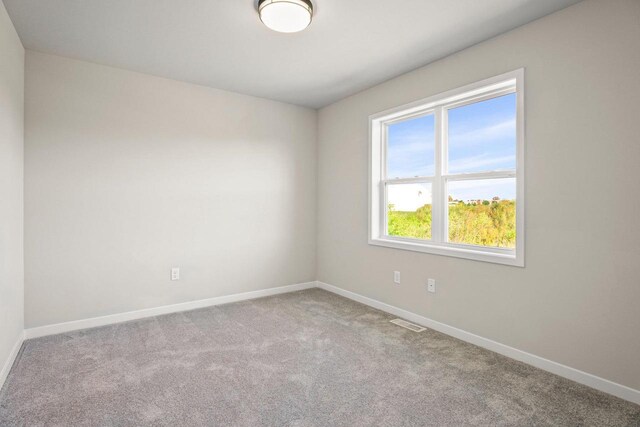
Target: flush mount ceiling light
x,y
286,16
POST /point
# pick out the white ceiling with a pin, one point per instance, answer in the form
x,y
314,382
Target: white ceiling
x,y
350,45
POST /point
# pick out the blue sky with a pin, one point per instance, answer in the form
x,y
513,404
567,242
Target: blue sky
x,y
484,189
410,149
482,137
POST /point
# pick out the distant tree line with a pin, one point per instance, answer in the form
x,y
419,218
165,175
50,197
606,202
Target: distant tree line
x,y
483,222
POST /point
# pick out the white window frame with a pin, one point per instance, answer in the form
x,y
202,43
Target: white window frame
x,y
511,82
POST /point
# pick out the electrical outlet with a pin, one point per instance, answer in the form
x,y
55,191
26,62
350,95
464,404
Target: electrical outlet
x,y
431,285
175,273
396,277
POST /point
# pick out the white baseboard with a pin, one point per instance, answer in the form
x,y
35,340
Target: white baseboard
x,y
619,390
4,373
93,322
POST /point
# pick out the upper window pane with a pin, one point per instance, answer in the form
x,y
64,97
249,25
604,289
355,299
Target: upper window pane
x,y
410,148
482,135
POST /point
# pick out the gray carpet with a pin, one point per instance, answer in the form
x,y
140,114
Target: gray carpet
x,y
307,358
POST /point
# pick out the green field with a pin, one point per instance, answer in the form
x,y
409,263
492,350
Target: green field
x,y
487,223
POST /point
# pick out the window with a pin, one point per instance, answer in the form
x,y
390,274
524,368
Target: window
x,y
447,173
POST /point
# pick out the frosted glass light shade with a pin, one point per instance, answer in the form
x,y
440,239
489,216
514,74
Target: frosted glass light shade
x,y
286,16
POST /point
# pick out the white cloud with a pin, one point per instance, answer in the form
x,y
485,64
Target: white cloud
x,y
481,135
482,161
409,197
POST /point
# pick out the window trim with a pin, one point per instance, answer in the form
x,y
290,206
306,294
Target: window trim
x,y
511,82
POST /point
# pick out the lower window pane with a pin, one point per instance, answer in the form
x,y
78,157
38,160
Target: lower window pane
x,y
409,210
483,212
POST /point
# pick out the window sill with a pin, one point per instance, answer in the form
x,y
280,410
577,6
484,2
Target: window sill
x,y
499,257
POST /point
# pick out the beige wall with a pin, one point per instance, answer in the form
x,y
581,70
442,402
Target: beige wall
x,y
128,175
11,187
577,301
